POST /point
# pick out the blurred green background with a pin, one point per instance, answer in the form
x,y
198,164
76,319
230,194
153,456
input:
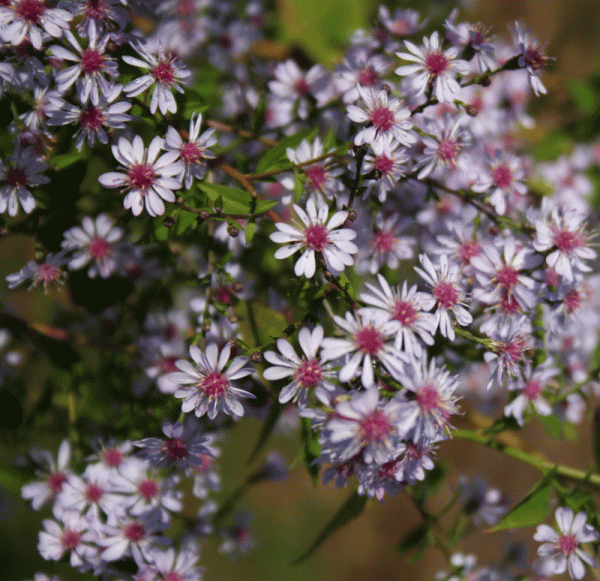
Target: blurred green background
x,y
288,515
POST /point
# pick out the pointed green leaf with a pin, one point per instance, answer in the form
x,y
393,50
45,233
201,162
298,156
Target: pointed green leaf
x,y
277,153
348,511
250,230
531,510
234,200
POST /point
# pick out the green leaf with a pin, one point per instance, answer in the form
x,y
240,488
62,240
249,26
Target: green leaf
x,y
277,153
596,437
532,509
250,230
65,160
184,221
583,95
347,512
235,201
414,538
552,426
266,429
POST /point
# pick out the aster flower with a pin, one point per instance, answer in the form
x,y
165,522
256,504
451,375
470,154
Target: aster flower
x,y
481,502
97,16
165,73
447,289
94,241
308,374
365,343
388,158
149,179
21,171
207,386
194,151
181,448
316,234
407,308
433,67
49,272
29,19
531,57
180,566
562,550
90,70
74,537
386,116
401,22
360,68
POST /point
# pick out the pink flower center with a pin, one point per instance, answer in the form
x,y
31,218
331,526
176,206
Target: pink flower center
x,y
30,10
167,364
532,389
513,351
185,8
567,544
445,294
163,73
502,177
309,373
387,470
400,26
316,237
447,151
135,532
91,61
317,176
384,164
95,9
382,118
70,539
404,312
428,398
172,576
224,295
203,464
383,242
15,177
91,118
507,276
175,449
551,276
572,301
534,58
468,250
436,62
48,273
375,427
56,481
509,304
190,152
301,86
225,41
112,457
567,241
141,176
93,493
367,77
369,340
214,385
99,248
148,489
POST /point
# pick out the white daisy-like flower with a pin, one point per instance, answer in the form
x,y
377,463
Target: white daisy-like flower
x,y
22,170
388,159
532,58
165,73
308,374
194,151
206,387
386,116
316,234
149,179
433,66
562,550
94,241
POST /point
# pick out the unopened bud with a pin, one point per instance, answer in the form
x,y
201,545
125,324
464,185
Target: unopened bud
x,y
387,89
238,287
169,221
232,318
206,326
352,215
485,82
256,357
233,231
471,110
204,214
179,200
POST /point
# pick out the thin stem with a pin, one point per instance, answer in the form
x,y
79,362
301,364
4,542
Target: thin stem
x,y
241,132
266,174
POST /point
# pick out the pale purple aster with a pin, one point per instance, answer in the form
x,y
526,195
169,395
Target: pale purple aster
x,y
93,121
501,277
461,243
407,309
531,57
308,374
316,234
481,502
531,387
360,68
206,387
416,459
446,283
97,16
182,447
54,476
194,150
563,232
385,115
562,550
73,537
29,19
165,73
388,158
367,425
366,341
206,477
49,272
434,400
90,71
403,22
475,38
94,241
148,179
19,172
172,566
433,67
502,178
374,480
